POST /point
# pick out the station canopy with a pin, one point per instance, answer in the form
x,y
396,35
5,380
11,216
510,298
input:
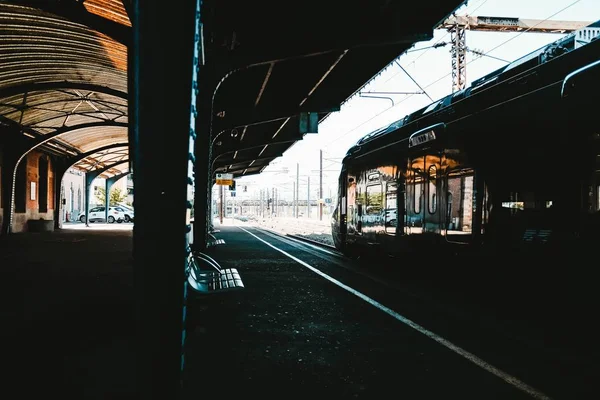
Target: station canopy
x,y
274,70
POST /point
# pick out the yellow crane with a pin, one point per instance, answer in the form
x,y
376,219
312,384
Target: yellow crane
x,y
458,25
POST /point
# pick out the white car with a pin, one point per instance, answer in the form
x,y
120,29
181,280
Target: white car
x,y
99,213
127,211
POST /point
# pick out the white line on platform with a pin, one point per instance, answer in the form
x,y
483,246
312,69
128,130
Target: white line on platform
x,y
446,343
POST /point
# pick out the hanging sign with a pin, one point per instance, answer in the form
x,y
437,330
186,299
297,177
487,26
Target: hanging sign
x,y
225,179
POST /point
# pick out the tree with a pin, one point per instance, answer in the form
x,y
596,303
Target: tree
x,y
116,196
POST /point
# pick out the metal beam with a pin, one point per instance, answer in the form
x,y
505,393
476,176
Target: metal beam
x,y
75,159
304,48
244,160
253,118
257,143
511,24
45,86
66,129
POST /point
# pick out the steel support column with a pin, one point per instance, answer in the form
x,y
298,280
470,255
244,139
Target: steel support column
x,y
8,180
108,184
202,183
89,178
162,97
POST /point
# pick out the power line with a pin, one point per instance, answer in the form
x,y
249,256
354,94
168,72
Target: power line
x,y
413,79
434,46
450,73
531,27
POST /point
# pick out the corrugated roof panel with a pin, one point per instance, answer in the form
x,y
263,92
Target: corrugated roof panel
x,y
40,47
92,138
109,9
83,74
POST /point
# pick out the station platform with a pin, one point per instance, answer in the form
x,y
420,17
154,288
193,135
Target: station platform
x,y
306,323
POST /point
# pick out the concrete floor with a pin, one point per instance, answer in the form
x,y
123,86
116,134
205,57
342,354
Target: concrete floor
x,y
67,312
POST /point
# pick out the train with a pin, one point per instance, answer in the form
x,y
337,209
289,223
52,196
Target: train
x,y
510,163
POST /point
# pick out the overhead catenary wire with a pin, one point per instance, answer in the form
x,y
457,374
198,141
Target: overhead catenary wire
x,y
486,53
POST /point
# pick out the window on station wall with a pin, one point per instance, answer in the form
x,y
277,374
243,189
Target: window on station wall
x,y
21,187
432,201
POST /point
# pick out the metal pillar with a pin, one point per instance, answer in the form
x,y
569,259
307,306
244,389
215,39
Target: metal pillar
x,y
458,52
163,62
203,185
8,182
19,148
221,201
89,178
107,186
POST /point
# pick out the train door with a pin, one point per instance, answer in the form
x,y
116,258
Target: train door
x,y
373,215
460,200
432,207
354,209
341,211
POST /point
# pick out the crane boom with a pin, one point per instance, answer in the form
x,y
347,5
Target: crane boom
x,y
510,24
457,25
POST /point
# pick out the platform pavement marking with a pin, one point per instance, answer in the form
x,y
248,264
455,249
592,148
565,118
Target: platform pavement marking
x,y
446,343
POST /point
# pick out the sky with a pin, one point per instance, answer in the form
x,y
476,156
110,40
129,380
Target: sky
x,y
431,69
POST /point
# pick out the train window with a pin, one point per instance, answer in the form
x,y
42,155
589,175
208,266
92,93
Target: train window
x,y
432,189
391,207
374,200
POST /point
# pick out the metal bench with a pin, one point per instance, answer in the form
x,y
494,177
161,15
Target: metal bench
x,y
205,275
214,241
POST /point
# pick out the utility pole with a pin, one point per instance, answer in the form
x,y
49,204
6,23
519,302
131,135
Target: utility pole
x,y
221,198
320,185
294,200
308,200
458,25
297,186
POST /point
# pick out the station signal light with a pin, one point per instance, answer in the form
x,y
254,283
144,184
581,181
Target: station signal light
x,y
232,186
245,188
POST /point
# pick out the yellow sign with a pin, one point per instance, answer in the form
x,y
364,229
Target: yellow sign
x,y
225,179
226,182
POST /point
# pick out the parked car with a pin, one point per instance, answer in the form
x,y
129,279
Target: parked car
x,y
127,211
98,214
